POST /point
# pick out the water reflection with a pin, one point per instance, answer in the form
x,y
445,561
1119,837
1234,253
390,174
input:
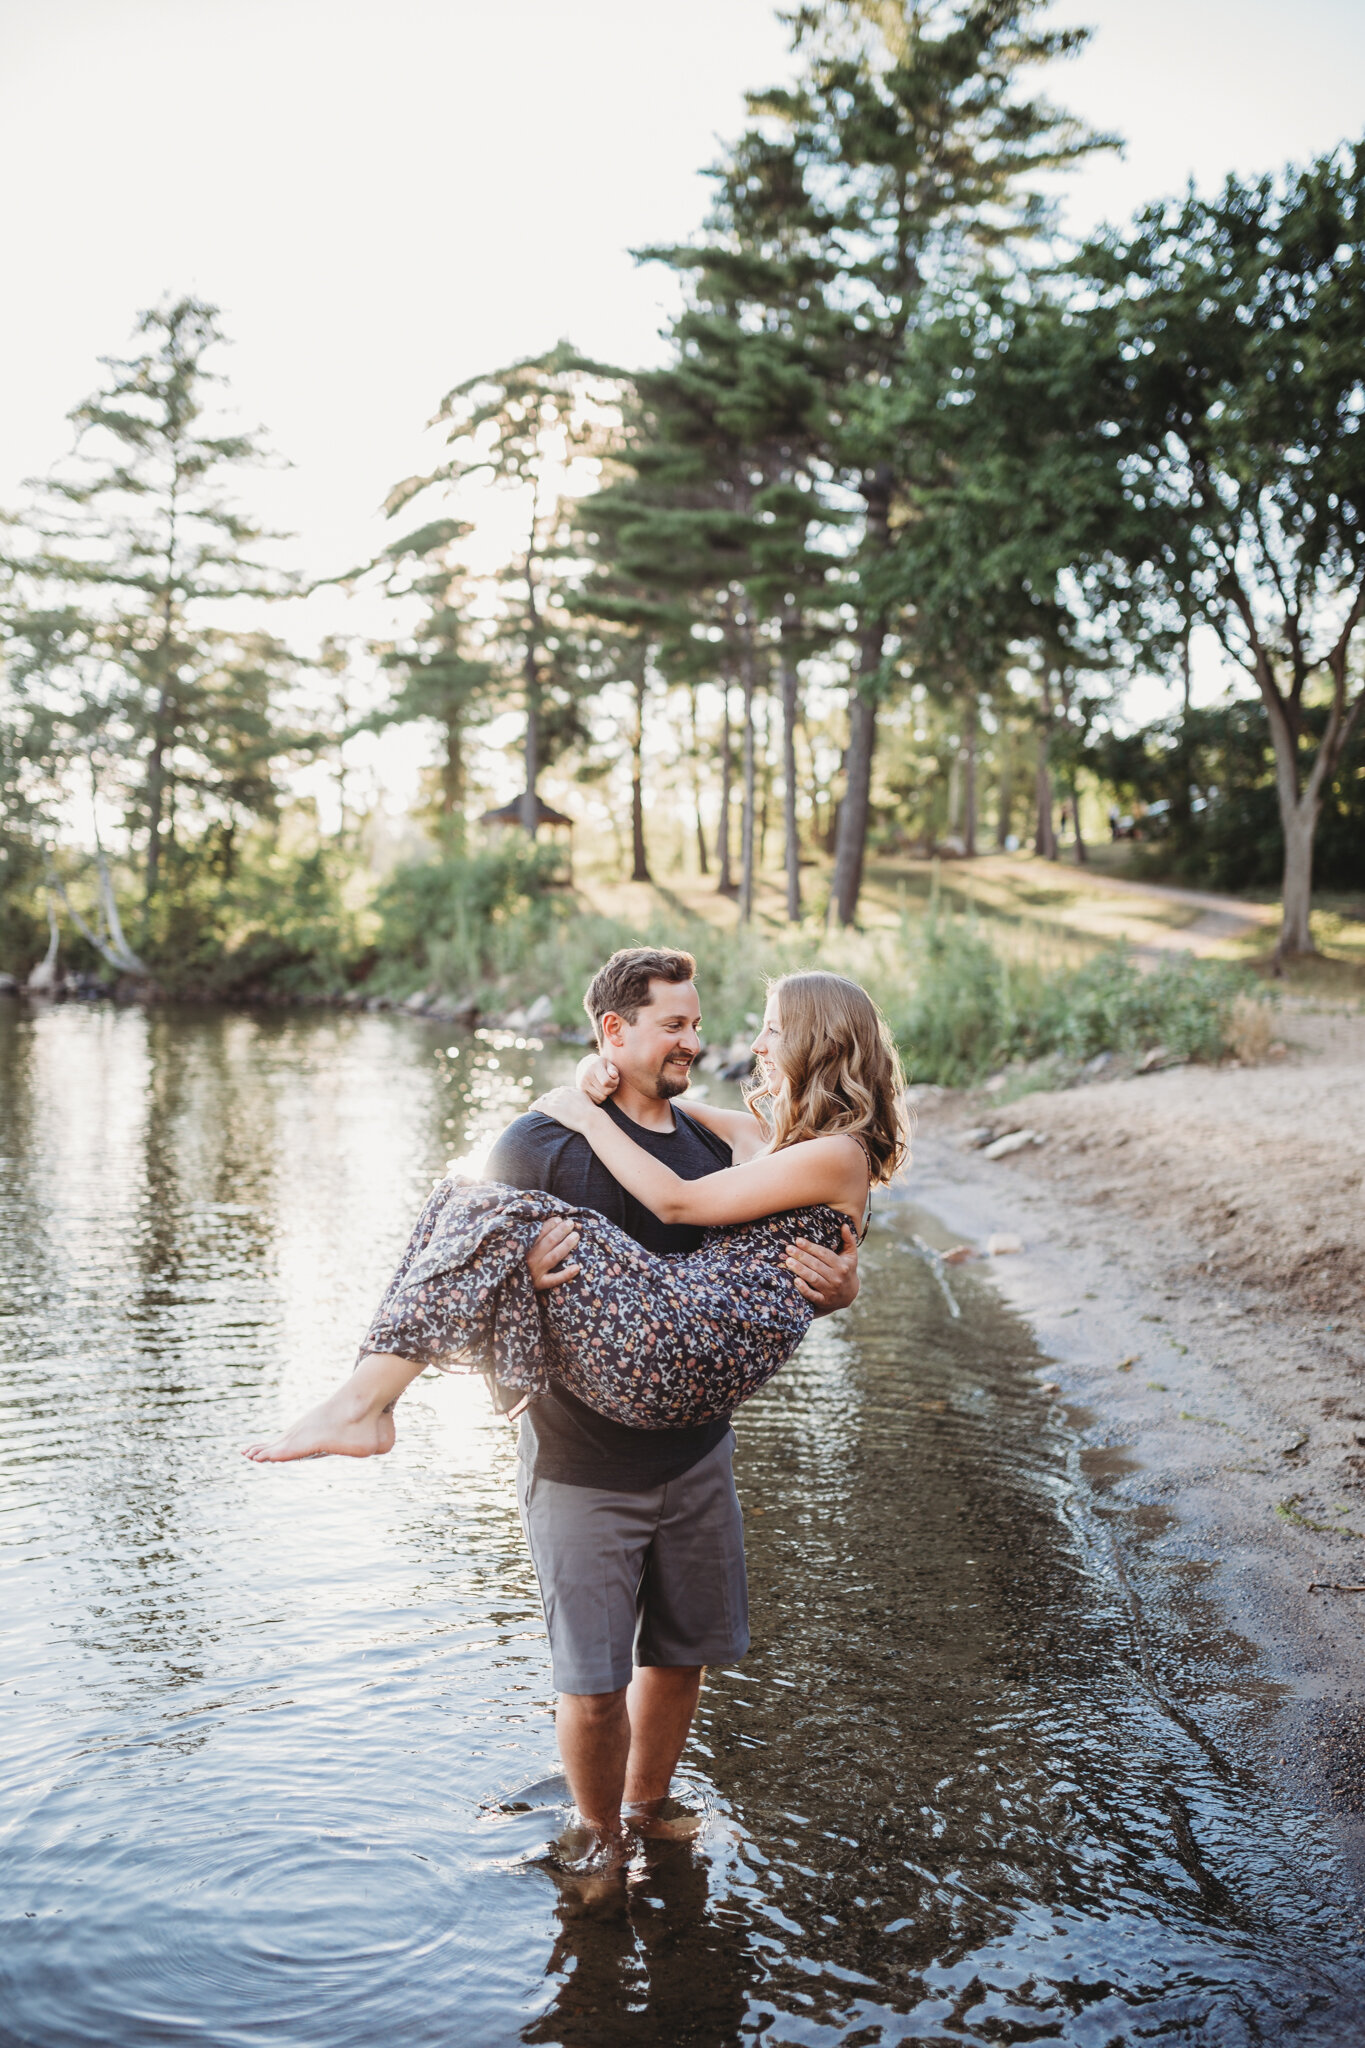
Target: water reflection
x,y
982,1776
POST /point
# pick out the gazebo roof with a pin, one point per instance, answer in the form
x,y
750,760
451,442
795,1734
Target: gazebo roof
x,y
510,814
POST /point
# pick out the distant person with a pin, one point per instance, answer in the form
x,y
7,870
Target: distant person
x,y
637,1355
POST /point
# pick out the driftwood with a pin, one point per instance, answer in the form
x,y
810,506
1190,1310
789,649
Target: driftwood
x,y
42,978
108,940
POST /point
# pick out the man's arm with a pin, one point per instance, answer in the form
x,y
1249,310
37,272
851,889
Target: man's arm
x,y
521,1158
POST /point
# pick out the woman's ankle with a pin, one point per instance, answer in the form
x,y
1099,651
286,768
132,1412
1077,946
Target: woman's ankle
x,y
377,1383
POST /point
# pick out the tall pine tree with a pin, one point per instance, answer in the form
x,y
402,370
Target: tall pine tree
x,y
526,428
136,537
912,148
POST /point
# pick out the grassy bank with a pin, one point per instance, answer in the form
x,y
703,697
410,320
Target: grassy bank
x,y
963,999
970,985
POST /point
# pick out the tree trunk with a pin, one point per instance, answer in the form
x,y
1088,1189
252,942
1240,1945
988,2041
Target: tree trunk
x,y
43,975
856,809
452,772
1044,838
156,793
156,764
1301,805
850,843
725,881
746,831
766,779
1180,809
1079,851
1004,800
530,810
1296,933
1298,823
969,737
639,871
791,847
702,862
1299,808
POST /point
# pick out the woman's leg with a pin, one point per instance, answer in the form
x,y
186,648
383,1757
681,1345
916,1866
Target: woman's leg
x,y
354,1422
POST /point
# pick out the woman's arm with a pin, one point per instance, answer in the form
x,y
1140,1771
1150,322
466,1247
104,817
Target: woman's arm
x,y
832,1170
596,1075
737,1128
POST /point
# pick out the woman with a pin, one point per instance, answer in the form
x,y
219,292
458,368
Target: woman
x,y
651,1342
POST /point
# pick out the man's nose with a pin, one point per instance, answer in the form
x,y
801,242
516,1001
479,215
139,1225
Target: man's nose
x,y
690,1042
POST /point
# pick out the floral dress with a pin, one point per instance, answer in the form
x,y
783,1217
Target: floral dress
x,y
652,1342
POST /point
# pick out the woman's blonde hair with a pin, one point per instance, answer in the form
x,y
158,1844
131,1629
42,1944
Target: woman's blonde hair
x,y
840,1071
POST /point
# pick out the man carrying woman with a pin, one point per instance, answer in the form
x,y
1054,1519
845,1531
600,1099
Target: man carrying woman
x,y
648,1276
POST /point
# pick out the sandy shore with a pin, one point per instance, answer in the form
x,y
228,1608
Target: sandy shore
x,y
1194,1265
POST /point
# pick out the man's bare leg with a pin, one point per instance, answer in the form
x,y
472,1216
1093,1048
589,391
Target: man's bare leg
x,y
661,1702
354,1422
622,1748
594,1732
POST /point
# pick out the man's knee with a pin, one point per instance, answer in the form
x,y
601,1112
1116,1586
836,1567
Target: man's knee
x,y
672,1678
594,1709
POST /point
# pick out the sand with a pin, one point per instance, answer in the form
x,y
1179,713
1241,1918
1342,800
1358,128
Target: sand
x,y
1194,1269
1260,1171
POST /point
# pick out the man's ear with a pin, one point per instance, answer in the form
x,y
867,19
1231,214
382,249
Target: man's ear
x,y
611,1030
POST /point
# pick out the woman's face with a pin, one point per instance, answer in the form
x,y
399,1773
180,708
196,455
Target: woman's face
x,y
768,1047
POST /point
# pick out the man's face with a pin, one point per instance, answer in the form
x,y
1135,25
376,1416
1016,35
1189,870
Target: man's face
x,y
655,1053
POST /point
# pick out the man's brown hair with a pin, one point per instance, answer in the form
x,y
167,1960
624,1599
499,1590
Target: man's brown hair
x,y
622,986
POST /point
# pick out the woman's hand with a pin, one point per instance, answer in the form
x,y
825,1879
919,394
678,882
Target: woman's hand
x,y
597,1076
568,1106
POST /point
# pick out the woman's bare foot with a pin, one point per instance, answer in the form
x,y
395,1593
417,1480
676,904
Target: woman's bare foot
x,y
337,1428
354,1422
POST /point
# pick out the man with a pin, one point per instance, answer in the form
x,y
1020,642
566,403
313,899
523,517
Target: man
x,y
635,1534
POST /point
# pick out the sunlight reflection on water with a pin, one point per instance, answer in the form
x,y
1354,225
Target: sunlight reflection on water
x,y
260,1720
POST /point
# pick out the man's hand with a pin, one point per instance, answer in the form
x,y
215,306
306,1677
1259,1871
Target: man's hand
x,y
557,1240
829,1279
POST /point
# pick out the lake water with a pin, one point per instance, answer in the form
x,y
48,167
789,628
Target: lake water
x,y
984,1776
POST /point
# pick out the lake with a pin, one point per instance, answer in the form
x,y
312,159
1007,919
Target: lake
x,y
987,1774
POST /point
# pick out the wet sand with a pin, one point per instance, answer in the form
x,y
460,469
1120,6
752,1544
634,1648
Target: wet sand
x,y
1195,1264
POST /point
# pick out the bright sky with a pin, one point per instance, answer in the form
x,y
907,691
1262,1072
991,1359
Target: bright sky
x,y
385,196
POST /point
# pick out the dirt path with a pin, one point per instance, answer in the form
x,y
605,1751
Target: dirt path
x,y
1154,916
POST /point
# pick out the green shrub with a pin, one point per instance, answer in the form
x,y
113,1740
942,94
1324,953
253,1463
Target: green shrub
x,y
1112,1005
468,920
971,1010
279,921
961,1019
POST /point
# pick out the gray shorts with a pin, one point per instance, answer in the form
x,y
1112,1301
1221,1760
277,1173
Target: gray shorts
x,y
638,1578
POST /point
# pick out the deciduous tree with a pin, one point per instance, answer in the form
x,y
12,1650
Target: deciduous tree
x,y
1236,323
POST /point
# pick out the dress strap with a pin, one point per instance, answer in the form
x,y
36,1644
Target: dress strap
x,y
871,1176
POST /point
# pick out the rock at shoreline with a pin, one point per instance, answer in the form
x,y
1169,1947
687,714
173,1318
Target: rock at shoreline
x,y
1002,1241
466,1013
1013,1141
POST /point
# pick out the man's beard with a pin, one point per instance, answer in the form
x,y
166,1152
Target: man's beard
x,y
672,1079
